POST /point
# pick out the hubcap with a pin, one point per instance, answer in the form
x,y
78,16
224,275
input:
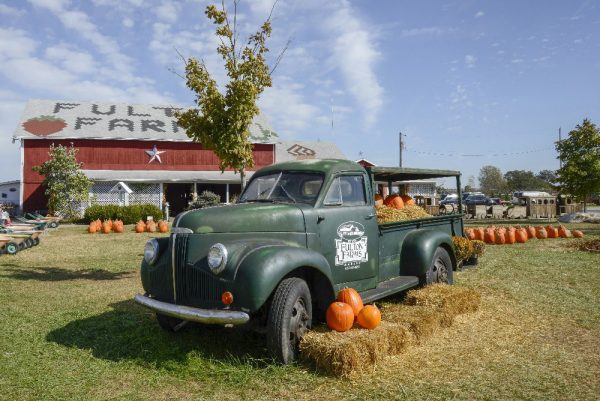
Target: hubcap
x,y
440,271
299,322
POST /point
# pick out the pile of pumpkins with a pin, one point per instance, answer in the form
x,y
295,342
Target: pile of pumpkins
x,y
151,226
105,227
348,308
509,235
394,200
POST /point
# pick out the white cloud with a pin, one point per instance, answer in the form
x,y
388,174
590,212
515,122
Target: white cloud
x,y
470,60
11,108
15,43
479,14
167,11
128,22
52,5
10,11
429,31
517,60
287,108
72,60
354,54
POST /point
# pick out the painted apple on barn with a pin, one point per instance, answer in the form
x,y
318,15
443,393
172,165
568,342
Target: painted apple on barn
x,y
44,125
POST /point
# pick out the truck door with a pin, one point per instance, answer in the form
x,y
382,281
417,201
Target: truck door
x,y
348,232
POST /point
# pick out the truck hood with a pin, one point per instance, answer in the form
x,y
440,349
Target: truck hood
x,y
243,218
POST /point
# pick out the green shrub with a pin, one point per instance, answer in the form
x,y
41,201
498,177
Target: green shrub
x,y
129,214
205,199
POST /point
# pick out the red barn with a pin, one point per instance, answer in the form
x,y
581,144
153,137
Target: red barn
x,y
141,146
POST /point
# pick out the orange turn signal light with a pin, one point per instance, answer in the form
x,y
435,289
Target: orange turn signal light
x,y
227,298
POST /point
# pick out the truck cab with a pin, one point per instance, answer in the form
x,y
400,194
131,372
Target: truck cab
x,y
300,232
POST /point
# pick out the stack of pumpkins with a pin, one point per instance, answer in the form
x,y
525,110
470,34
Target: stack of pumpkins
x,y
397,208
151,226
509,235
348,308
106,226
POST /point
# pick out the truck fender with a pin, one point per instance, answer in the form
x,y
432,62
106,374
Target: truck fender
x,y
418,249
263,269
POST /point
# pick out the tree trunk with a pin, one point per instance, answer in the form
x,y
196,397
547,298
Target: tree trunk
x,y
242,179
585,196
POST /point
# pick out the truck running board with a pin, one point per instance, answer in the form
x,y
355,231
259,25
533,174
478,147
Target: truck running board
x,y
389,287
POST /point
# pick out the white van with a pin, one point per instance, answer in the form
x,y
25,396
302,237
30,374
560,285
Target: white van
x,y
520,194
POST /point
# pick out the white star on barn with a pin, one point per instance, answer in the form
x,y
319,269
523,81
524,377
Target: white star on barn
x,y
155,154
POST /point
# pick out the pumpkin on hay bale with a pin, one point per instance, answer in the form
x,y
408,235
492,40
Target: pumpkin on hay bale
x,y
358,350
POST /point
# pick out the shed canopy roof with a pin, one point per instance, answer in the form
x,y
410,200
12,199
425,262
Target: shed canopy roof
x,y
395,174
100,120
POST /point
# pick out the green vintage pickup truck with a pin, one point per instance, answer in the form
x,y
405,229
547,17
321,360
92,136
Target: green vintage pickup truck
x,y
300,232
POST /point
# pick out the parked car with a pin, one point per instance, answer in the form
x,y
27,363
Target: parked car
x,y
449,199
477,200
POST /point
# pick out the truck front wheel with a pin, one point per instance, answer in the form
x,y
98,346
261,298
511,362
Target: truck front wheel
x,y
290,316
440,270
169,323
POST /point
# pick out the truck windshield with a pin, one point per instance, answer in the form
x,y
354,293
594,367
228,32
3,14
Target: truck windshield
x,y
285,186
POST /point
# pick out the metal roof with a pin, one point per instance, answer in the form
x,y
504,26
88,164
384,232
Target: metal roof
x,y
227,177
56,119
394,174
306,150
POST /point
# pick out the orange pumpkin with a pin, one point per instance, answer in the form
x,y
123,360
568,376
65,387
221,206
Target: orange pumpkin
x,y
369,317
489,236
552,232
140,227
564,232
151,226
531,232
408,201
541,233
378,200
510,235
470,233
352,298
577,233
500,238
521,236
163,226
92,228
98,225
394,201
106,228
118,226
479,233
339,316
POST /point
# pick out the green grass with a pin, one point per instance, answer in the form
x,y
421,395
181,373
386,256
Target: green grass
x,y
69,330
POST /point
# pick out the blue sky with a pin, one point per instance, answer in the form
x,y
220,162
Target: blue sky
x,y
470,83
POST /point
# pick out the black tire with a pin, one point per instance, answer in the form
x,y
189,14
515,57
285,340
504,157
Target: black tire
x,y
21,246
53,224
440,270
169,323
290,316
36,241
28,243
11,248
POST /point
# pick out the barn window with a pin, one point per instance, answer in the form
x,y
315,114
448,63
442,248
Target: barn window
x,y
4,195
13,190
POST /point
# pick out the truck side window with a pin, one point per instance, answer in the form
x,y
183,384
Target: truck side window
x,y
347,190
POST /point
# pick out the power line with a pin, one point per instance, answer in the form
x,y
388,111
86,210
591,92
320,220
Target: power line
x,y
495,154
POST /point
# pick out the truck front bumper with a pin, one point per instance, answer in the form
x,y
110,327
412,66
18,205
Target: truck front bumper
x,y
208,316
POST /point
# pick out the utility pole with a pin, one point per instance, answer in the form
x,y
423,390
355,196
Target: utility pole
x,y
559,154
401,147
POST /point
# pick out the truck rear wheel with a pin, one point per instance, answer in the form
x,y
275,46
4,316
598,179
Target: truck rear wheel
x,y
290,316
440,270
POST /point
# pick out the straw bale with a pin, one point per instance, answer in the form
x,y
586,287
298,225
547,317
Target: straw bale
x,y
359,350
454,300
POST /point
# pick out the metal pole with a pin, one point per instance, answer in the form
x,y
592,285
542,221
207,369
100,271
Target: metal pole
x,y
400,138
559,153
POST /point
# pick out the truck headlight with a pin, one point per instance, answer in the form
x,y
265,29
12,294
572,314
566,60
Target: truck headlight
x,y
151,251
217,258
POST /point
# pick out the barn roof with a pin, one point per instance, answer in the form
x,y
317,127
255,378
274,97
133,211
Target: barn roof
x,y
55,119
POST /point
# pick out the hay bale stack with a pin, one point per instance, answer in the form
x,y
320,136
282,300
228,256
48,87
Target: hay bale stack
x,y
359,350
454,300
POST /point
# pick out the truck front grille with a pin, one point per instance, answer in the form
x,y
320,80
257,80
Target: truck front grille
x,y
193,285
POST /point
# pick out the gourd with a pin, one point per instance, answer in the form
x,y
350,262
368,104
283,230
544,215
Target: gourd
x,y
394,201
510,235
564,232
351,297
163,226
470,233
118,226
499,237
339,316
106,228
92,228
98,225
378,200
531,232
479,233
369,317
151,226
